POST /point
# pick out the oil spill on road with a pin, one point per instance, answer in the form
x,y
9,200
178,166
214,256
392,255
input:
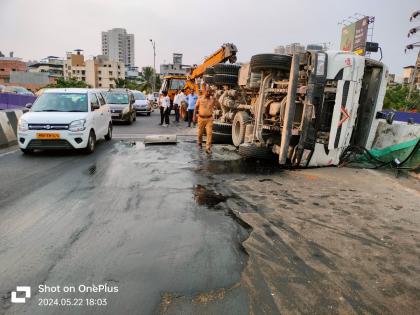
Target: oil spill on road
x,y
208,197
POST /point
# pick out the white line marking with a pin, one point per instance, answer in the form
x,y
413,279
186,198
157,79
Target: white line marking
x,y
9,152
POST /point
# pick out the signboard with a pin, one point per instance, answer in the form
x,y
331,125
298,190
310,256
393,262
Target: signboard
x,y
347,37
360,35
353,36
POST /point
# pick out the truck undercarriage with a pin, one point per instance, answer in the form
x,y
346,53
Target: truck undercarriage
x,y
306,108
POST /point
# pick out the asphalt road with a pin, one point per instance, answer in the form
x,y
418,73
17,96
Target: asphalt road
x,y
144,219
180,232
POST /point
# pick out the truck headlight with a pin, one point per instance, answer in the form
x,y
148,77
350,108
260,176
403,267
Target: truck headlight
x,y
77,125
23,125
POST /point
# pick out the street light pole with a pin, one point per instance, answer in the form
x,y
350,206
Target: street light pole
x,y
154,64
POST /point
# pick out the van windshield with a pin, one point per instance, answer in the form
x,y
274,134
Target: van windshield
x,y
61,102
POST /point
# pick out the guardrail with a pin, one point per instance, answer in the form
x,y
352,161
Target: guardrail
x,y
12,101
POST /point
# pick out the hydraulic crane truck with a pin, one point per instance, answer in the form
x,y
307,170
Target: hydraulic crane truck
x,y
306,108
172,83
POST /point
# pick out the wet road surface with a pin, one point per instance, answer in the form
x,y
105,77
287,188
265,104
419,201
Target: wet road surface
x,y
131,216
179,232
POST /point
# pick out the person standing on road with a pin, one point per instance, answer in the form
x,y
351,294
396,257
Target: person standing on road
x,y
203,112
176,105
183,105
165,107
191,101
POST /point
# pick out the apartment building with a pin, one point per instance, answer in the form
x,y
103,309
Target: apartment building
x,y
118,45
99,72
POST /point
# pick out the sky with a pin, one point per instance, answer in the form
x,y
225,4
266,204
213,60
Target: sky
x,y
34,29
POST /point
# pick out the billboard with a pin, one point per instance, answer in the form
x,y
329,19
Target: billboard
x,y
353,36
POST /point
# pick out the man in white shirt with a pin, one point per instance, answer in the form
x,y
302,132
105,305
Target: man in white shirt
x,y
165,107
176,105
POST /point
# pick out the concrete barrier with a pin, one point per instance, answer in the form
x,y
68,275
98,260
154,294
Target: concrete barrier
x,y
8,127
388,135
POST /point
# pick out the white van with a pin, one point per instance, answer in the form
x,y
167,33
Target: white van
x,y
65,119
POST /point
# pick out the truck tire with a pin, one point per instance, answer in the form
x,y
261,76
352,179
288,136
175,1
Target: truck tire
x,y
225,79
222,133
221,138
226,68
209,71
263,62
251,150
208,79
238,127
221,127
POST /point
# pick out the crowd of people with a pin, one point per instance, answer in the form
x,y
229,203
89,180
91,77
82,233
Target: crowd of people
x,y
192,109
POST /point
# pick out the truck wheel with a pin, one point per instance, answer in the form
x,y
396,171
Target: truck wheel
x,y
108,136
263,62
225,68
222,133
251,150
209,71
221,138
225,79
208,79
238,127
222,127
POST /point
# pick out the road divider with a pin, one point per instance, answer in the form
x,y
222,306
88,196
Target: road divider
x,y
8,127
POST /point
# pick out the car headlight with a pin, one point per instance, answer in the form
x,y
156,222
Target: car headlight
x,y
23,125
77,125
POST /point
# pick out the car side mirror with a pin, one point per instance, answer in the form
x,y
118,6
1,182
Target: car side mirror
x,y
28,106
94,107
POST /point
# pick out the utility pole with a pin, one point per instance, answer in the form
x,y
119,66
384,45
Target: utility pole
x,y
416,70
154,64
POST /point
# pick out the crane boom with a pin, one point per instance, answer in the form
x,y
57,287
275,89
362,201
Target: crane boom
x,y
225,53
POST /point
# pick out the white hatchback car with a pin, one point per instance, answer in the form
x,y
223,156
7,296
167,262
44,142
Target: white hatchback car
x,y
65,119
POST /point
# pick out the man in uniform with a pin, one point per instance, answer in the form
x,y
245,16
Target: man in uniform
x,y
203,112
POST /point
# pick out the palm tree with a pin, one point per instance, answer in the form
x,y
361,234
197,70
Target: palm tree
x,y
146,79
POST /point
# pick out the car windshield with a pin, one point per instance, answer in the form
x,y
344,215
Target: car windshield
x,y
61,102
138,96
117,98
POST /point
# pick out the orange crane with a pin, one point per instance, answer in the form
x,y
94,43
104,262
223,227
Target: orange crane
x,y
172,83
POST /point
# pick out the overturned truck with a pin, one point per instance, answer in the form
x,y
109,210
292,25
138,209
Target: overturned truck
x,y
306,108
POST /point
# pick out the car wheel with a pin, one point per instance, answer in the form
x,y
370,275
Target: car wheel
x,y
148,114
134,116
130,120
27,151
108,136
91,143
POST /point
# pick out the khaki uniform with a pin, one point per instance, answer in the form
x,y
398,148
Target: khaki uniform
x,y
204,110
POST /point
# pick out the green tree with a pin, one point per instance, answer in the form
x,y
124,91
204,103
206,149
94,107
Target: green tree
x,y
126,84
70,83
146,77
396,98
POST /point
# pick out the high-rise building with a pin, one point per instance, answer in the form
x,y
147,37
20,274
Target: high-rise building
x,y
119,46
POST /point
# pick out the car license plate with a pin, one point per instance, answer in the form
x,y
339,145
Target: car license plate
x,y
47,135
115,115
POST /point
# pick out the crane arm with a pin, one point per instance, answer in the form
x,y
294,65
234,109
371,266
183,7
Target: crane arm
x,y
223,54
